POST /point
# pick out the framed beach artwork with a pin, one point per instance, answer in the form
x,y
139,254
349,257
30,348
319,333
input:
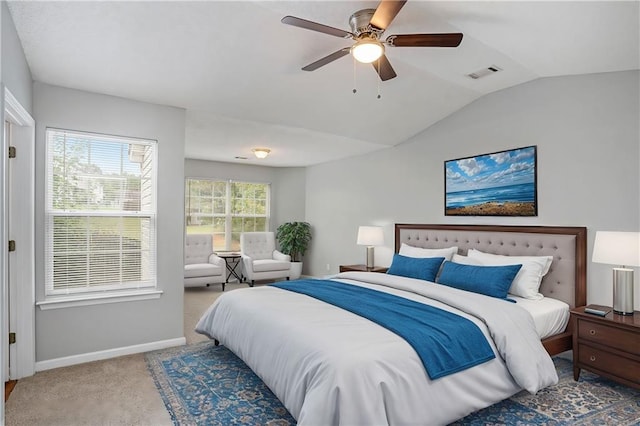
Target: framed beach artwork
x,y
498,184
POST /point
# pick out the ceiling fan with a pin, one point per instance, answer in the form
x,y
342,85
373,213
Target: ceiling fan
x,y
367,26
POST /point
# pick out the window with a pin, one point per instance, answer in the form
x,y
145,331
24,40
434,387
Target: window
x,y
100,213
225,209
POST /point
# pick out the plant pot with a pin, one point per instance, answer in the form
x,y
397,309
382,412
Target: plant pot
x,y
296,270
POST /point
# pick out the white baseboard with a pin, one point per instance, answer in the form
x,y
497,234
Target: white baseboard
x,y
109,353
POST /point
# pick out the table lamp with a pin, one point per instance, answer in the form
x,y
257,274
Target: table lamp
x,y
619,248
370,236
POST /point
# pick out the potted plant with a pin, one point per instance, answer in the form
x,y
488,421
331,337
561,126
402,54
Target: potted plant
x,y
294,238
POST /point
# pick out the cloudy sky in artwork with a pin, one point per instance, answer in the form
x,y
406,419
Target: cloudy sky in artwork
x,y
503,168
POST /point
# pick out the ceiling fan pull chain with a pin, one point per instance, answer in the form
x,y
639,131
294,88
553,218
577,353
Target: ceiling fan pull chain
x,y
354,75
378,79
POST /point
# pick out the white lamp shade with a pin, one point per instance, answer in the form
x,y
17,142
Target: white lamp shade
x,y
617,248
370,236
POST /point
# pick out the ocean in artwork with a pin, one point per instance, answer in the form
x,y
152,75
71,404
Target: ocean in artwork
x,y
519,193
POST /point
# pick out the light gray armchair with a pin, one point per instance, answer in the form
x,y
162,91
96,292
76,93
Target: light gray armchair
x,y
201,265
260,259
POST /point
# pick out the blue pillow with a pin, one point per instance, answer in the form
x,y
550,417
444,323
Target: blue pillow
x,y
492,281
423,268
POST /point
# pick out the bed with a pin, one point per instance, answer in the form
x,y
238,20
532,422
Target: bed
x,y
330,366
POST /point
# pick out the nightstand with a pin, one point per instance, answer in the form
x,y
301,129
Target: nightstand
x,y
608,346
362,268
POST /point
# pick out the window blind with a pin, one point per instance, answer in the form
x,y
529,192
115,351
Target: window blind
x,y
100,213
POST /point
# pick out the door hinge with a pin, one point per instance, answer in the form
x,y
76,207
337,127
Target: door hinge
x,y
12,152
12,338
12,245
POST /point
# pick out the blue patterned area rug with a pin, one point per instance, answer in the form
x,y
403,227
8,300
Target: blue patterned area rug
x,y
203,384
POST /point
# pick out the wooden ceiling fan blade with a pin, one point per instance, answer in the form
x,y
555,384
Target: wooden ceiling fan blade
x,y
384,69
386,12
425,40
314,26
327,59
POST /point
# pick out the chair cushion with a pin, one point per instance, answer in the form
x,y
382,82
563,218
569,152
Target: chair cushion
x,y
198,248
266,265
258,245
202,270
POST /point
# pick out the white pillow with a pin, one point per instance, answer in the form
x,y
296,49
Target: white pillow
x,y
527,281
466,260
410,251
474,253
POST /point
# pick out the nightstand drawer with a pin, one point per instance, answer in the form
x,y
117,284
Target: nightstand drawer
x,y
598,359
609,336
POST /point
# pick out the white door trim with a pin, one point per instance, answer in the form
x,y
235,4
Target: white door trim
x,y
4,255
22,231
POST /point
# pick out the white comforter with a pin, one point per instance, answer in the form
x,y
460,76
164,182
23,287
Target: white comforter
x,y
331,367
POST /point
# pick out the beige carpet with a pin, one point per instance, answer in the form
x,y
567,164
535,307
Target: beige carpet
x,y
117,391
196,302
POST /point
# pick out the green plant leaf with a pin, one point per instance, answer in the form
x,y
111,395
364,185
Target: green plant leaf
x,y
294,238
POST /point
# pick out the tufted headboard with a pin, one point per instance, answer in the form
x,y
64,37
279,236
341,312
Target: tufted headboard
x,y
567,278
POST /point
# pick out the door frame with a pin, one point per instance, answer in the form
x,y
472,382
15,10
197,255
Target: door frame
x,y
23,231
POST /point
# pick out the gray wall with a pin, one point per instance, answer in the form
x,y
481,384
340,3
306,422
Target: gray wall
x,y
287,184
587,132
16,75
78,330
290,184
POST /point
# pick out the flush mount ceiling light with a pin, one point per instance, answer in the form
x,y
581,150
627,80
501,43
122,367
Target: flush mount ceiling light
x,y
261,152
367,50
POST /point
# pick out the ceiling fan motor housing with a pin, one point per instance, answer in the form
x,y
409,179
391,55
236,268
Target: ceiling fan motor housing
x,y
359,23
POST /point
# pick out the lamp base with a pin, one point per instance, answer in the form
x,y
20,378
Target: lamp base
x,y
370,257
623,291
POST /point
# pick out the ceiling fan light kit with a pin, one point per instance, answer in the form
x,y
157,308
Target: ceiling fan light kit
x,y
367,50
367,26
261,152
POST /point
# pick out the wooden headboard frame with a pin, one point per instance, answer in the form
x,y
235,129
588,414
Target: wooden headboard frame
x,y
566,280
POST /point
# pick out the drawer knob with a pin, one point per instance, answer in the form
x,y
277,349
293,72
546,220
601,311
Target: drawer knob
x,y
592,358
592,332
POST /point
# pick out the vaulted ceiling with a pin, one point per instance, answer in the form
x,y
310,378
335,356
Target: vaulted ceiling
x,y
236,68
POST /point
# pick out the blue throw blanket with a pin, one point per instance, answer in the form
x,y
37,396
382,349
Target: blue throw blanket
x,y
445,342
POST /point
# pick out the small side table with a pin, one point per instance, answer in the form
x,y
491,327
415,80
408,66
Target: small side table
x,y
232,260
362,268
608,346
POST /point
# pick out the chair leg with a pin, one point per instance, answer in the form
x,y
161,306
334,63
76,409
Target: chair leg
x,y
252,283
223,284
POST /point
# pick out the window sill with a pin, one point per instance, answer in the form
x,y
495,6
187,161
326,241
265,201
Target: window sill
x,y
97,299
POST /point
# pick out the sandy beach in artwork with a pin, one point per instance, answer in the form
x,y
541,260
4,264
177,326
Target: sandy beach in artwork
x,y
494,209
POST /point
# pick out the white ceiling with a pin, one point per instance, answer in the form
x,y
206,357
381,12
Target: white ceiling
x,y
236,69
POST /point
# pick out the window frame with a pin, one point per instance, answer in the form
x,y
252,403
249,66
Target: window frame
x,y
228,215
144,288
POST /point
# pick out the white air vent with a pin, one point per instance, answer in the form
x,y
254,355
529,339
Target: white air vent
x,y
484,72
